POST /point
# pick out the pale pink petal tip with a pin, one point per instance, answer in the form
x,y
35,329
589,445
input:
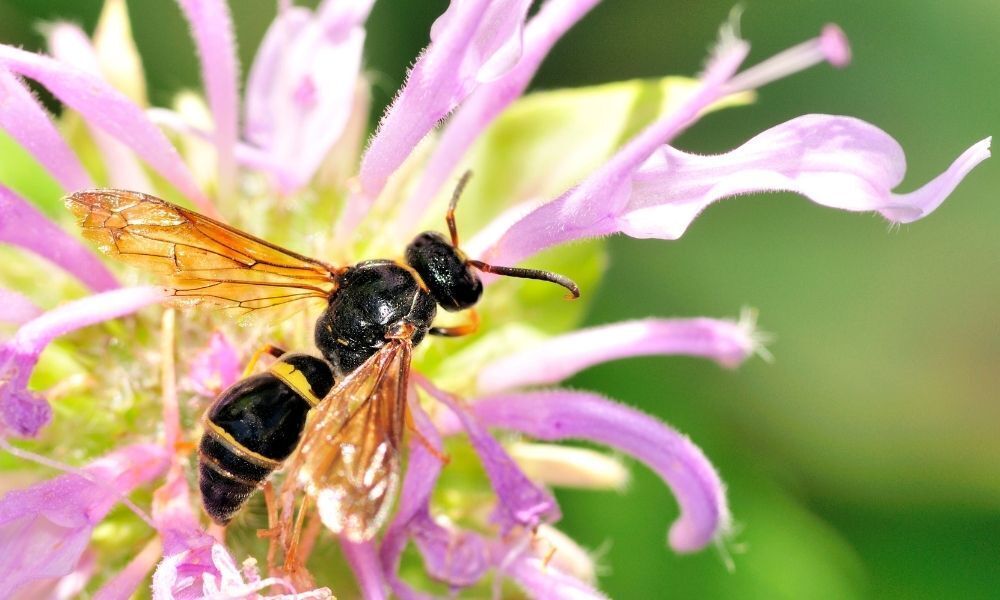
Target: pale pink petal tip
x,y
833,42
56,518
23,412
920,203
563,414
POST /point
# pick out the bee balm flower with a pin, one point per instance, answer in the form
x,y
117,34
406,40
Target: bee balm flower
x,y
294,166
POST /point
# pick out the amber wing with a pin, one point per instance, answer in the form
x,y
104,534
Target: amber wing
x,y
206,262
348,460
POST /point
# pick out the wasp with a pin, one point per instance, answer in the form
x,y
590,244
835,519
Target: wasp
x,y
345,410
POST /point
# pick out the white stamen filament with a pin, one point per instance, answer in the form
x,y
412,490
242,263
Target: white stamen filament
x,y
830,46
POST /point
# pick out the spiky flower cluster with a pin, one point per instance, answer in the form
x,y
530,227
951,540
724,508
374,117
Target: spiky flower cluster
x,y
285,162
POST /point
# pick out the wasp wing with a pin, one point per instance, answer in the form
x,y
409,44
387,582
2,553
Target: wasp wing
x,y
349,457
205,261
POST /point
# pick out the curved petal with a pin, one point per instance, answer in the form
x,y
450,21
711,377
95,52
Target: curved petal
x,y
490,99
105,107
563,414
841,162
583,210
23,225
55,518
543,581
212,28
422,471
23,117
473,41
519,501
727,342
23,412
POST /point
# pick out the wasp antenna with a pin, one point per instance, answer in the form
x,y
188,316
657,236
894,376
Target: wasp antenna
x,y
538,274
450,216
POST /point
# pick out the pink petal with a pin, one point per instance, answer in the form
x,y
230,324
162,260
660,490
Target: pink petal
x,y
300,91
125,584
105,107
212,29
839,162
586,207
540,580
215,367
16,308
422,471
23,412
24,118
491,98
563,414
457,557
727,342
474,41
23,225
44,529
69,44
367,570
519,501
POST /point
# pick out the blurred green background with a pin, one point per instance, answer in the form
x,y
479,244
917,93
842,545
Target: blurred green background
x,y
865,460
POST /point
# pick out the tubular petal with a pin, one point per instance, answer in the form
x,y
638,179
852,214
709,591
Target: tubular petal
x,y
583,211
23,412
456,557
212,28
23,117
519,501
433,88
301,87
69,44
54,519
545,582
367,570
489,100
422,472
840,162
727,342
105,107
23,225
563,414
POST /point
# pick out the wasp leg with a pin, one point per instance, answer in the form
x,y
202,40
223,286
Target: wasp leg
x,y
458,330
271,349
273,531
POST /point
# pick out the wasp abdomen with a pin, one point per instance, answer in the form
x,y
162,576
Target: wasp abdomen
x,y
253,427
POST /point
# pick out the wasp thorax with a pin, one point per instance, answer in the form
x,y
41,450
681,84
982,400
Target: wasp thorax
x,y
451,281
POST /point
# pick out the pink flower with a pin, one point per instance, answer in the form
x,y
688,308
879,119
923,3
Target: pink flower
x,y
45,529
303,114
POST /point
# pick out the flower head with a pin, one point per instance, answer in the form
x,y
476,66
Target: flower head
x,y
303,118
